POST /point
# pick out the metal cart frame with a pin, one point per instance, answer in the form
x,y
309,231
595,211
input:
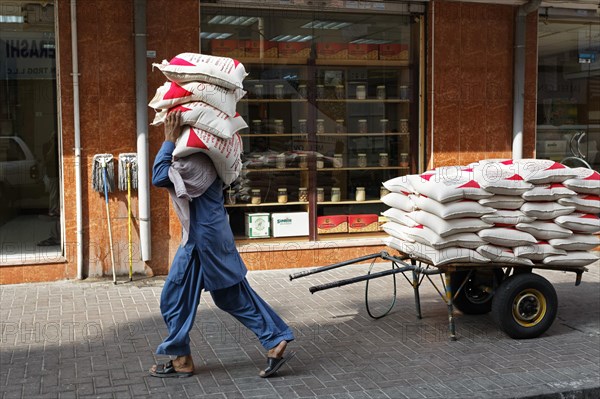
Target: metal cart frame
x,y
528,298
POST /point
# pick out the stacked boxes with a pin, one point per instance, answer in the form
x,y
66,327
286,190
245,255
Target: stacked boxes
x,y
332,224
257,225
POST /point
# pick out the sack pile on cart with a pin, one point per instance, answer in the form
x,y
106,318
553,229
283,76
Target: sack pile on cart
x,y
206,90
512,212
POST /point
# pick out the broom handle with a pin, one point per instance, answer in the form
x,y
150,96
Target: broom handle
x,y
112,255
129,220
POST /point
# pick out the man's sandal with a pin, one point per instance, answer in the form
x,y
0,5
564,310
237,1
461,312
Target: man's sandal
x,y
274,364
168,371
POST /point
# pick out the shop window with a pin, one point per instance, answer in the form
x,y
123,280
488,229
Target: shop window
x,y
331,104
568,109
29,157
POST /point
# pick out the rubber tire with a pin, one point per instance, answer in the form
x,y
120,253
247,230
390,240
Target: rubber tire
x,y
507,293
462,301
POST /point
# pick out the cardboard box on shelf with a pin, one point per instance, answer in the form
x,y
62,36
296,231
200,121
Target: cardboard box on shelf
x,y
252,49
332,224
293,49
381,220
227,48
363,223
290,224
393,52
363,51
257,225
332,51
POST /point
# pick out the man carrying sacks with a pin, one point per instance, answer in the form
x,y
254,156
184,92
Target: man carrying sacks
x,y
200,155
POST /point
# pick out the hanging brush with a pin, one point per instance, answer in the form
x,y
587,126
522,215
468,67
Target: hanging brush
x,y
103,176
128,180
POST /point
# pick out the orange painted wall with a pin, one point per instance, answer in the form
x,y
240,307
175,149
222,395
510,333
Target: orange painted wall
x,y
472,91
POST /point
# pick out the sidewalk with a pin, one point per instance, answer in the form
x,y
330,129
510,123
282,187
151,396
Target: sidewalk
x,y
94,339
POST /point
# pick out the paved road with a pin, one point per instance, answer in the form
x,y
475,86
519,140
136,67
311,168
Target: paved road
x,y
94,339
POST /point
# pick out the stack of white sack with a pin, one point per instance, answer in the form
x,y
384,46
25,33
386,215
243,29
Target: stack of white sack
x,y
206,90
510,212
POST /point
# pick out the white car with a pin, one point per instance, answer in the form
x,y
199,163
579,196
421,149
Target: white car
x,y
20,177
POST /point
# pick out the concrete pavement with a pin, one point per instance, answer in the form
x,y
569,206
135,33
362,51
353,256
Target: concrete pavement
x,y
92,339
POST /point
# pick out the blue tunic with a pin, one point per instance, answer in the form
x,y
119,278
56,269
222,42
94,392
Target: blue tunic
x,y
210,235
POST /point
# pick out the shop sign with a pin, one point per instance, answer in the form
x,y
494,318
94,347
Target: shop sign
x,y
27,56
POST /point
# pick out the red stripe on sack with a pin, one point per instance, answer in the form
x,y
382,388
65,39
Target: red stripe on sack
x,y
557,185
556,165
179,108
593,176
503,225
427,177
588,216
194,141
591,198
237,115
543,243
176,91
419,226
514,177
179,61
507,162
236,63
470,184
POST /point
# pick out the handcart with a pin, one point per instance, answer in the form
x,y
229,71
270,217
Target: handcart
x,y
523,304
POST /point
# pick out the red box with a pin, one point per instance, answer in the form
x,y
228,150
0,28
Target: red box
x,y
332,51
363,51
252,49
227,48
293,49
393,52
363,223
332,224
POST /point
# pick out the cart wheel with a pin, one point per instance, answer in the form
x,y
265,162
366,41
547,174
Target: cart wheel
x,y
525,305
475,297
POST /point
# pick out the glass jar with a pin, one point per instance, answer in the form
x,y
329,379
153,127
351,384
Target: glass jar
x,y
320,91
381,92
361,92
256,126
280,161
302,126
360,194
339,92
404,160
230,197
320,194
403,125
383,125
338,160
404,92
302,194
302,91
383,192
320,126
339,126
303,161
320,162
384,160
282,196
362,126
255,198
336,194
279,91
361,160
278,126
259,91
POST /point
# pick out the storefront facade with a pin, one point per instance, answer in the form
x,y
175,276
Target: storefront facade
x,y
340,98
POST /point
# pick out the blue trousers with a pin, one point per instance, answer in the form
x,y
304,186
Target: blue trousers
x,y
180,299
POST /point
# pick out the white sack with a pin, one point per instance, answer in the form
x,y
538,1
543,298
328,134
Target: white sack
x,y
445,228
509,218
586,181
225,154
552,192
572,258
580,222
506,237
543,230
399,201
584,203
205,117
576,242
451,210
187,67
502,255
507,202
538,251
399,216
546,210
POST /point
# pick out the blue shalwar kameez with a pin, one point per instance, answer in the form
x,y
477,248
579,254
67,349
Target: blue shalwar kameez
x,y
209,260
